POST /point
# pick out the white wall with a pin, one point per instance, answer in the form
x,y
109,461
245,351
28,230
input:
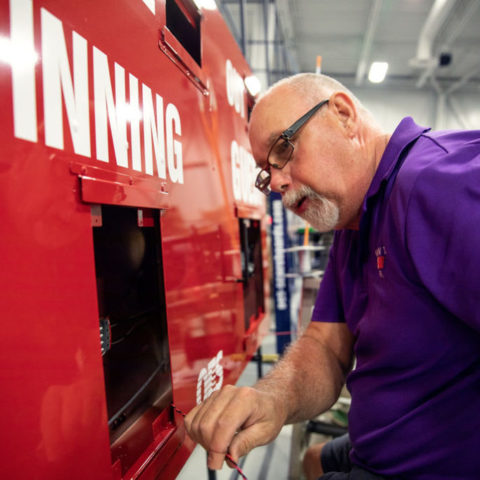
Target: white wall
x,y
389,106
465,111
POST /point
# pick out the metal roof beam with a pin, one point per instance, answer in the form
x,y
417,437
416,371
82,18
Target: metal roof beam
x,y
372,24
464,79
284,18
439,13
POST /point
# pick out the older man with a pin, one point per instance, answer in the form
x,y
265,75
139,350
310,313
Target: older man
x,y
401,292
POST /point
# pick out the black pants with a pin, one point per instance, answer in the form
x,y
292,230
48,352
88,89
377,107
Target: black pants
x,y
355,474
336,462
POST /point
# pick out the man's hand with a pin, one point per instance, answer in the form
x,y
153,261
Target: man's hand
x,y
304,383
235,420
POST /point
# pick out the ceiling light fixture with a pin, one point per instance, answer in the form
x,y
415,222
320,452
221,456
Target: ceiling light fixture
x,y
378,71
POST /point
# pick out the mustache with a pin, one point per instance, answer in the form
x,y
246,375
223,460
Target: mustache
x,y
291,198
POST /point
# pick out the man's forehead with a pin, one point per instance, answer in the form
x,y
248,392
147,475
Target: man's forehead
x,y
263,132
270,117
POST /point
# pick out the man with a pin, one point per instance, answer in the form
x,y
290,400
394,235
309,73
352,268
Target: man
x,y
401,291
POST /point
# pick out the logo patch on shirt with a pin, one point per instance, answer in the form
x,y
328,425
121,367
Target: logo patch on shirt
x,y
381,253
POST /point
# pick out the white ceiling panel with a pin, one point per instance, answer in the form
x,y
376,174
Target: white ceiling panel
x,y
348,32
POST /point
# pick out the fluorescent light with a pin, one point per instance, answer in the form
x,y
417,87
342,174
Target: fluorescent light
x,y
253,85
377,72
206,4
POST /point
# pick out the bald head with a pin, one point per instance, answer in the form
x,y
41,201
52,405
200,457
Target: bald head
x,y
310,88
310,85
287,100
334,153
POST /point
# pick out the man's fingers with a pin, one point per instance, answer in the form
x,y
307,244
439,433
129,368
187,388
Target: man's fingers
x,y
233,420
214,423
200,430
215,460
205,419
246,440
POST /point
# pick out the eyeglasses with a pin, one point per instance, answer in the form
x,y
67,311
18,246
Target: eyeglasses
x,y
281,151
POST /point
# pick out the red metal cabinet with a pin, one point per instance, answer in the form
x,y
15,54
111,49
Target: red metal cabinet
x,y
126,181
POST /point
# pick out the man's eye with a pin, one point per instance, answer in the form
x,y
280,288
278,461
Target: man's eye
x,y
281,147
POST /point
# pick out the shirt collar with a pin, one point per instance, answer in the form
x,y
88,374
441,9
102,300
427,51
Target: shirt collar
x,y
406,133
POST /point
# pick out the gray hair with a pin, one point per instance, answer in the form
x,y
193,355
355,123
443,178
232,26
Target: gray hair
x,y
314,86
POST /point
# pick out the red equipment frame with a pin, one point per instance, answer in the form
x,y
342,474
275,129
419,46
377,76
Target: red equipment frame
x,y
115,106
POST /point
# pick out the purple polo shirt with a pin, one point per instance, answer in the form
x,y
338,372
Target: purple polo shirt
x,y
407,284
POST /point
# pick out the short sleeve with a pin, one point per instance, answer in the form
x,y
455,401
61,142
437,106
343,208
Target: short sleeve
x,y
327,305
442,232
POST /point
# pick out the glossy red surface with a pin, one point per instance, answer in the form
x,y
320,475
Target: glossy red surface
x,y
53,419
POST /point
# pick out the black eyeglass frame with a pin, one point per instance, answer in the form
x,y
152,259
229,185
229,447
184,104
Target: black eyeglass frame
x,y
262,182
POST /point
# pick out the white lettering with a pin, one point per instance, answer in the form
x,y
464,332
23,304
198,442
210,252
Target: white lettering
x,y
22,58
153,131
235,89
210,379
174,147
104,104
150,4
202,379
135,123
244,171
57,79
66,84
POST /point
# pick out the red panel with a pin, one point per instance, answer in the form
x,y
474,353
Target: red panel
x,y
180,57
54,421
95,190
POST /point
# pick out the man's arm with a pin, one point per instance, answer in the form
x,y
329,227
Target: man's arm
x,y
305,382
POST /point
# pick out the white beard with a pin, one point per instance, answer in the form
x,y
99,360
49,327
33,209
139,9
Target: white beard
x,y
321,213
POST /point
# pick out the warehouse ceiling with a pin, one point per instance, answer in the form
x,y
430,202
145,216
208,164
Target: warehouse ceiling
x,y
427,43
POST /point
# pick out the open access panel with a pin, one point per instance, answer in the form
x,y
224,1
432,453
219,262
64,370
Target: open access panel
x,y
133,327
252,270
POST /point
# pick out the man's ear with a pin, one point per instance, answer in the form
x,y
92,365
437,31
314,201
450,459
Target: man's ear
x,y
343,107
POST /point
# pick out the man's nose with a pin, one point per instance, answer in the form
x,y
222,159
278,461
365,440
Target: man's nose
x,y
280,180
